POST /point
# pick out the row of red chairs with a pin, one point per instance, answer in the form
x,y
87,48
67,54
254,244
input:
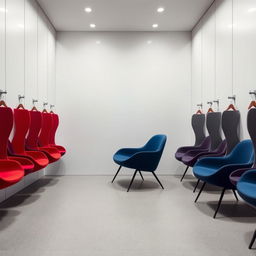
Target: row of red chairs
x,y
33,145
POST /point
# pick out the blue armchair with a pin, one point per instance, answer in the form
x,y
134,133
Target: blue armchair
x,y
246,188
141,159
216,170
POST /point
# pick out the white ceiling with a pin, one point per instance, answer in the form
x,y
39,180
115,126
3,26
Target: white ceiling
x,y
124,15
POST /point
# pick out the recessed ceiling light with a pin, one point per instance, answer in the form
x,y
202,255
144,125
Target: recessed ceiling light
x,y
98,42
88,9
149,42
155,25
92,25
160,9
252,10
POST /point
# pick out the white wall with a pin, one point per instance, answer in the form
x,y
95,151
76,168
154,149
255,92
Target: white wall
x,y
118,94
224,55
27,61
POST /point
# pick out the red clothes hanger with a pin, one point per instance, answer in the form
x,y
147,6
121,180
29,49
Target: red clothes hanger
x,y
210,110
2,102
252,104
231,106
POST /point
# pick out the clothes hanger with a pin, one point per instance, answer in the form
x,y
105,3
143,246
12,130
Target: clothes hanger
x,y
199,111
253,102
210,110
20,106
51,106
34,107
2,102
44,110
231,106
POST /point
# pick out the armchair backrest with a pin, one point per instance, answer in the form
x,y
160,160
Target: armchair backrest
x,y
6,120
213,124
198,125
230,127
156,143
243,152
251,120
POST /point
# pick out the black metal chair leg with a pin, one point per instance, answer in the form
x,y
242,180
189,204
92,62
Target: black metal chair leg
x,y
198,181
132,180
141,175
200,191
116,173
218,207
234,192
253,240
184,174
158,180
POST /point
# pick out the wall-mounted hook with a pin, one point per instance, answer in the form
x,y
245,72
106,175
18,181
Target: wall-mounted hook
x,y
2,92
200,105
253,93
34,101
21,97
45,104
232,98
52,106
218,103
209,103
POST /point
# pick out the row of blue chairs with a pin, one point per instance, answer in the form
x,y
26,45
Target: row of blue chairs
x,y
235,169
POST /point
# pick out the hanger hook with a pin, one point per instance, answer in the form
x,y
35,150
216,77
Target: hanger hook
x,y
253,93
20,97
52,106
45,104
200,105
209,103
34,101
2,92
232,98
217,101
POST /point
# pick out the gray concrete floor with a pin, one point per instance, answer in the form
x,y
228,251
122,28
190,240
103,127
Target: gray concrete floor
x,y
87,215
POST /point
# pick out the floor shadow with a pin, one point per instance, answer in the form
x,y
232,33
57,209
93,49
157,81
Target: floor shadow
x,y
29,194
137,185
229,211
24,197
19,199
210,189
39,186
7,217
186,178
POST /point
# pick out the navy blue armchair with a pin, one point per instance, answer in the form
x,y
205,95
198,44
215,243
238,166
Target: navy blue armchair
x,y
216,170
144,159
246,188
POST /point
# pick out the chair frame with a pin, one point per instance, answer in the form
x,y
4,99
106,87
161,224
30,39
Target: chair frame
x,y
133,177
